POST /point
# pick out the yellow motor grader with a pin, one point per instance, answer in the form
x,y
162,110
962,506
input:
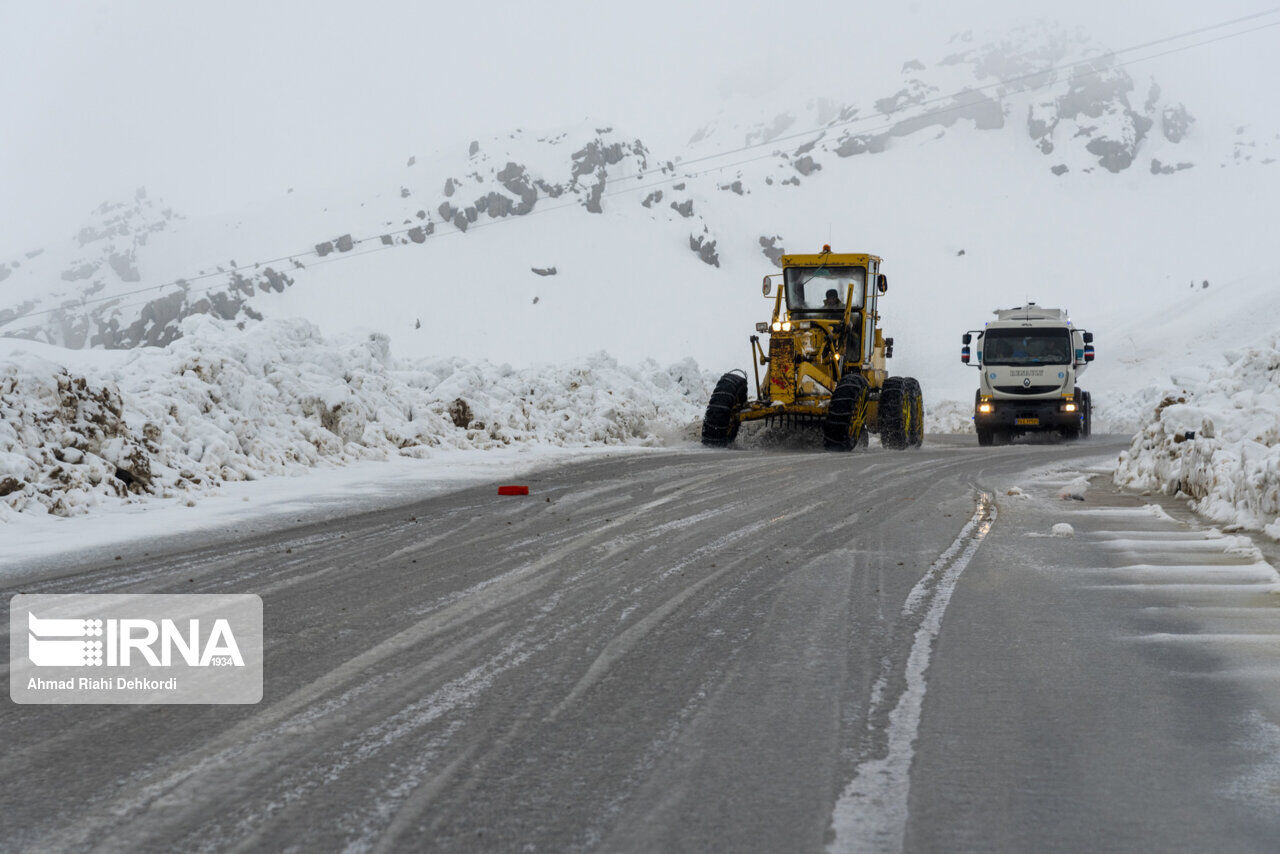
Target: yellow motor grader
x,y
825,360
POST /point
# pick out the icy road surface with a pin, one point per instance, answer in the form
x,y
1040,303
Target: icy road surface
x,y
748,650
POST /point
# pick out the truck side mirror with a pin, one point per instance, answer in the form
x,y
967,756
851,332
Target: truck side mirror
x,y
882,283
767,287
1088,337
1088,352
966,338
964,353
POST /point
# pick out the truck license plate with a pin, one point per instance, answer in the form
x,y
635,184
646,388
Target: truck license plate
x,y
1028,422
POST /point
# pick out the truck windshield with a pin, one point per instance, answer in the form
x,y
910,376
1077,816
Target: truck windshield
x,y
1026,347
823,288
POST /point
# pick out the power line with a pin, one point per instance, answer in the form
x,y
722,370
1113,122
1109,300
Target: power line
x,y
1091,64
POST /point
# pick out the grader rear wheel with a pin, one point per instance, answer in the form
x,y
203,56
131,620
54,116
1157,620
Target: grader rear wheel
x,y
901,413
846,424
915,430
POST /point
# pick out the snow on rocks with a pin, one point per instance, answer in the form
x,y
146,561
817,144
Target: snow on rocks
x,y
223,404
64,440
1217,442
1062,529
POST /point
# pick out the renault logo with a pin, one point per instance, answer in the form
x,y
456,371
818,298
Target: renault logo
x,y
1026,382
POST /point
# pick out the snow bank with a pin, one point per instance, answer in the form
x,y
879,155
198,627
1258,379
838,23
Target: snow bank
x,y
948,416
223,404
1217,441
1074,489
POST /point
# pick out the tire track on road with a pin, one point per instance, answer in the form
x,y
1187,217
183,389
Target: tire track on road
x,y
871,812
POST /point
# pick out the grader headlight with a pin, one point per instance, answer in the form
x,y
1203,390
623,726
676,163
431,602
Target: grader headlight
x,y
777,326
786,326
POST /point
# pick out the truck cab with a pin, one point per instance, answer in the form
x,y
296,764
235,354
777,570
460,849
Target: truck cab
x,y
1030,360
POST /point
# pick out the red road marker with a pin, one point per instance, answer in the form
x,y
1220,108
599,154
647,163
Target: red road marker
x,y
513,490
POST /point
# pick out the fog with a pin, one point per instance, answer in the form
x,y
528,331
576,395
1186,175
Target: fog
x,y
216,106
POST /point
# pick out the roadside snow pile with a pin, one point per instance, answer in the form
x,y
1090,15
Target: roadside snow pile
x,y
222,404
1062,529
1217,442
948,416
1075,489
1124,411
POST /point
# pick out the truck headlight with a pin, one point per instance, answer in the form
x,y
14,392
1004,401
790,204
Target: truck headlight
x,y
985,407
1068,407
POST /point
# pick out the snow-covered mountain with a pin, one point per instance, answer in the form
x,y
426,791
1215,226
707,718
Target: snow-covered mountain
x,y
1032,165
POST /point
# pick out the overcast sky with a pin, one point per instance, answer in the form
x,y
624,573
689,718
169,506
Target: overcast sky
x,y
213,105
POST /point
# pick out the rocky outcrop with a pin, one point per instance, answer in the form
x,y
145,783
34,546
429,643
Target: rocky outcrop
x,y
419,233
772,249
83,271
515,179
590,167
1175,121
772,131
852,144
807,166
705,249
1158,168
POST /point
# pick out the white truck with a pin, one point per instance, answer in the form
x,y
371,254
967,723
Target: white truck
x,y
1031,359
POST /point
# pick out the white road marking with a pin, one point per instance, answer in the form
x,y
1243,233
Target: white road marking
x,y
871,813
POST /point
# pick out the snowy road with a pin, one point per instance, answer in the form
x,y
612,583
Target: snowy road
x,y
695,651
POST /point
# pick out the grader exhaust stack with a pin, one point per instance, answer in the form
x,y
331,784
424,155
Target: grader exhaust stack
x,y
824,363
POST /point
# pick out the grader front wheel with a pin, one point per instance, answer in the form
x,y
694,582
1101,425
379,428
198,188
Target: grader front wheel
x,y
720,424
846,425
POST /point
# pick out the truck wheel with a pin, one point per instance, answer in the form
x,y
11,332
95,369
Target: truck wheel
x,y
720,424
846,424
894,413
1086,401
986,438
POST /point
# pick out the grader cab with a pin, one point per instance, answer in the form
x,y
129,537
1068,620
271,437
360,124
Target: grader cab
x,y
825,361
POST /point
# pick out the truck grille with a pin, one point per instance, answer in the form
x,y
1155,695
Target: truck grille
x,y
1031,389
